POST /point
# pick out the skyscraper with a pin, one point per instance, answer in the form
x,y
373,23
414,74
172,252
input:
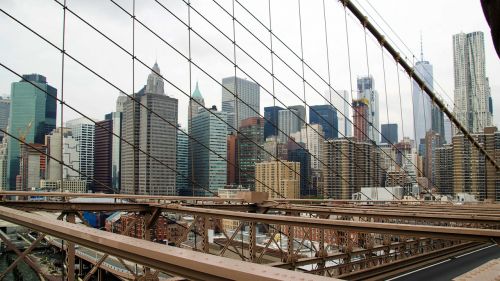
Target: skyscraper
x,y
301,112
141,173
250,142
182,178
103,156
366,91
245,106
340,100
349,165
71,155
313,137
288,124
83,130
422,109
4,114
233,173
360,119
209,165
298,153
271,122
472,97
390,133
326,116
32,112
196,102
116,145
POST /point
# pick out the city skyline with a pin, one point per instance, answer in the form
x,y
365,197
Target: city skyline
x,y
440,55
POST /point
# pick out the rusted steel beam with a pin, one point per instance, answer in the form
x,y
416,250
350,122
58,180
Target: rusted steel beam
x,y
451,233
177,261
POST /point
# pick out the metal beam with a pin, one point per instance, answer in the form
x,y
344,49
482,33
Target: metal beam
x,y
180,262
119,196
410,215
450,233
75,206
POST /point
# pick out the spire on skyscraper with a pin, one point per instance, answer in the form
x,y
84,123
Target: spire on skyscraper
x,y
421,48
155,82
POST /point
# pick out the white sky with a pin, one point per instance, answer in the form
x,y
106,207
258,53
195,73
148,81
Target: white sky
x,y
437,20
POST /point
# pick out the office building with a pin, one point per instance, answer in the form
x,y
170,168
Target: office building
x,y
83,131
4,114
271,122
361,111
233,172
340,100
472,95
71,155
447,129
32,115
443,169
367,92
156,134
280,179
250,141
196,103
116,145
210,167
182,177
301,114
298,153
103,157
3,164
422,107
389,133
246,105
313,139
348,166
326,116
32,167
288,124
274,149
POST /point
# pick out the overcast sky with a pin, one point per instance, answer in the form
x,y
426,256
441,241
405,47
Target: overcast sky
x,y
24,52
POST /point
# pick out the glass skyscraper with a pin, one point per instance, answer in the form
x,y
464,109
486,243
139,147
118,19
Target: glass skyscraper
x,y
210,168
33,114
245,106
271,122
326,116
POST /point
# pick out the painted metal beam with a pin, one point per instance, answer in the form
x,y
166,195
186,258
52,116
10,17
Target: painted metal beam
x,y
180,262
450,233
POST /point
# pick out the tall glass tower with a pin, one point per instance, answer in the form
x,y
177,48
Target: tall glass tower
x,y
245,106
32,115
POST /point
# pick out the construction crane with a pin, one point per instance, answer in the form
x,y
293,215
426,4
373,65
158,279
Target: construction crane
x,y
23,132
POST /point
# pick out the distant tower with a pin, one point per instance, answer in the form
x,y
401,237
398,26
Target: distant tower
x,y
271,123
4,114
83,130
246,105
326,116
210,167
360,118
196,102
142,174
366,91
29,105
472,94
